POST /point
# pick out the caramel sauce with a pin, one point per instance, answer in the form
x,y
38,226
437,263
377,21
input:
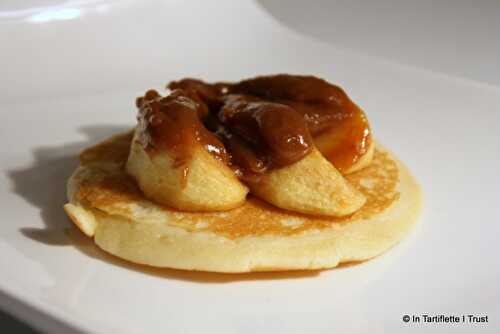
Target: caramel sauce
x,y
338,127
254,125
173,123
277,134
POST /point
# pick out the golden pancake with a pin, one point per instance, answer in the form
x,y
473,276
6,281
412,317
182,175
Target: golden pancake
x,y
106,204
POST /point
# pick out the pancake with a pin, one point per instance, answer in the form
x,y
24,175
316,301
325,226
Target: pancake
x,y
106,204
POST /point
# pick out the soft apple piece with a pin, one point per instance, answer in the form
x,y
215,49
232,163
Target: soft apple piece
x,y
348,145
311,186
202,184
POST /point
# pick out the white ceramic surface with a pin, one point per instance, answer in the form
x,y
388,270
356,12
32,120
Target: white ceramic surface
x,y
69,77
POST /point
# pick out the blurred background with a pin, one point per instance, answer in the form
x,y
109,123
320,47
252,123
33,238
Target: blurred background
x,y
455,37
60,48
121,40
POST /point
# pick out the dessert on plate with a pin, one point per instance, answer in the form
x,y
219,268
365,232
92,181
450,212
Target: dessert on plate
x,y
277,172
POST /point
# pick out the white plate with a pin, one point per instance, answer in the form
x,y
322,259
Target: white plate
x,y
69,78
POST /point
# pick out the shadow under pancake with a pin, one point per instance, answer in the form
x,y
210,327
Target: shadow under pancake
x,y
43,184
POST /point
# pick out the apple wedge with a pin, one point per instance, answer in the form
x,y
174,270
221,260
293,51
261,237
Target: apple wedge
x,y
364,161
176,161
348,145
311,186
201,184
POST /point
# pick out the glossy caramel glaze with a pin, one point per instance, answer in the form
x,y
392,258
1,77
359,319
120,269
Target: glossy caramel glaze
x,y
173,123
261,125
339,128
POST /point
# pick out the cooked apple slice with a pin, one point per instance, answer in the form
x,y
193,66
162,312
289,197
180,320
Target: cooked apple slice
x,y
339,127
176,161
312,186
348,144
201,184
363,161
